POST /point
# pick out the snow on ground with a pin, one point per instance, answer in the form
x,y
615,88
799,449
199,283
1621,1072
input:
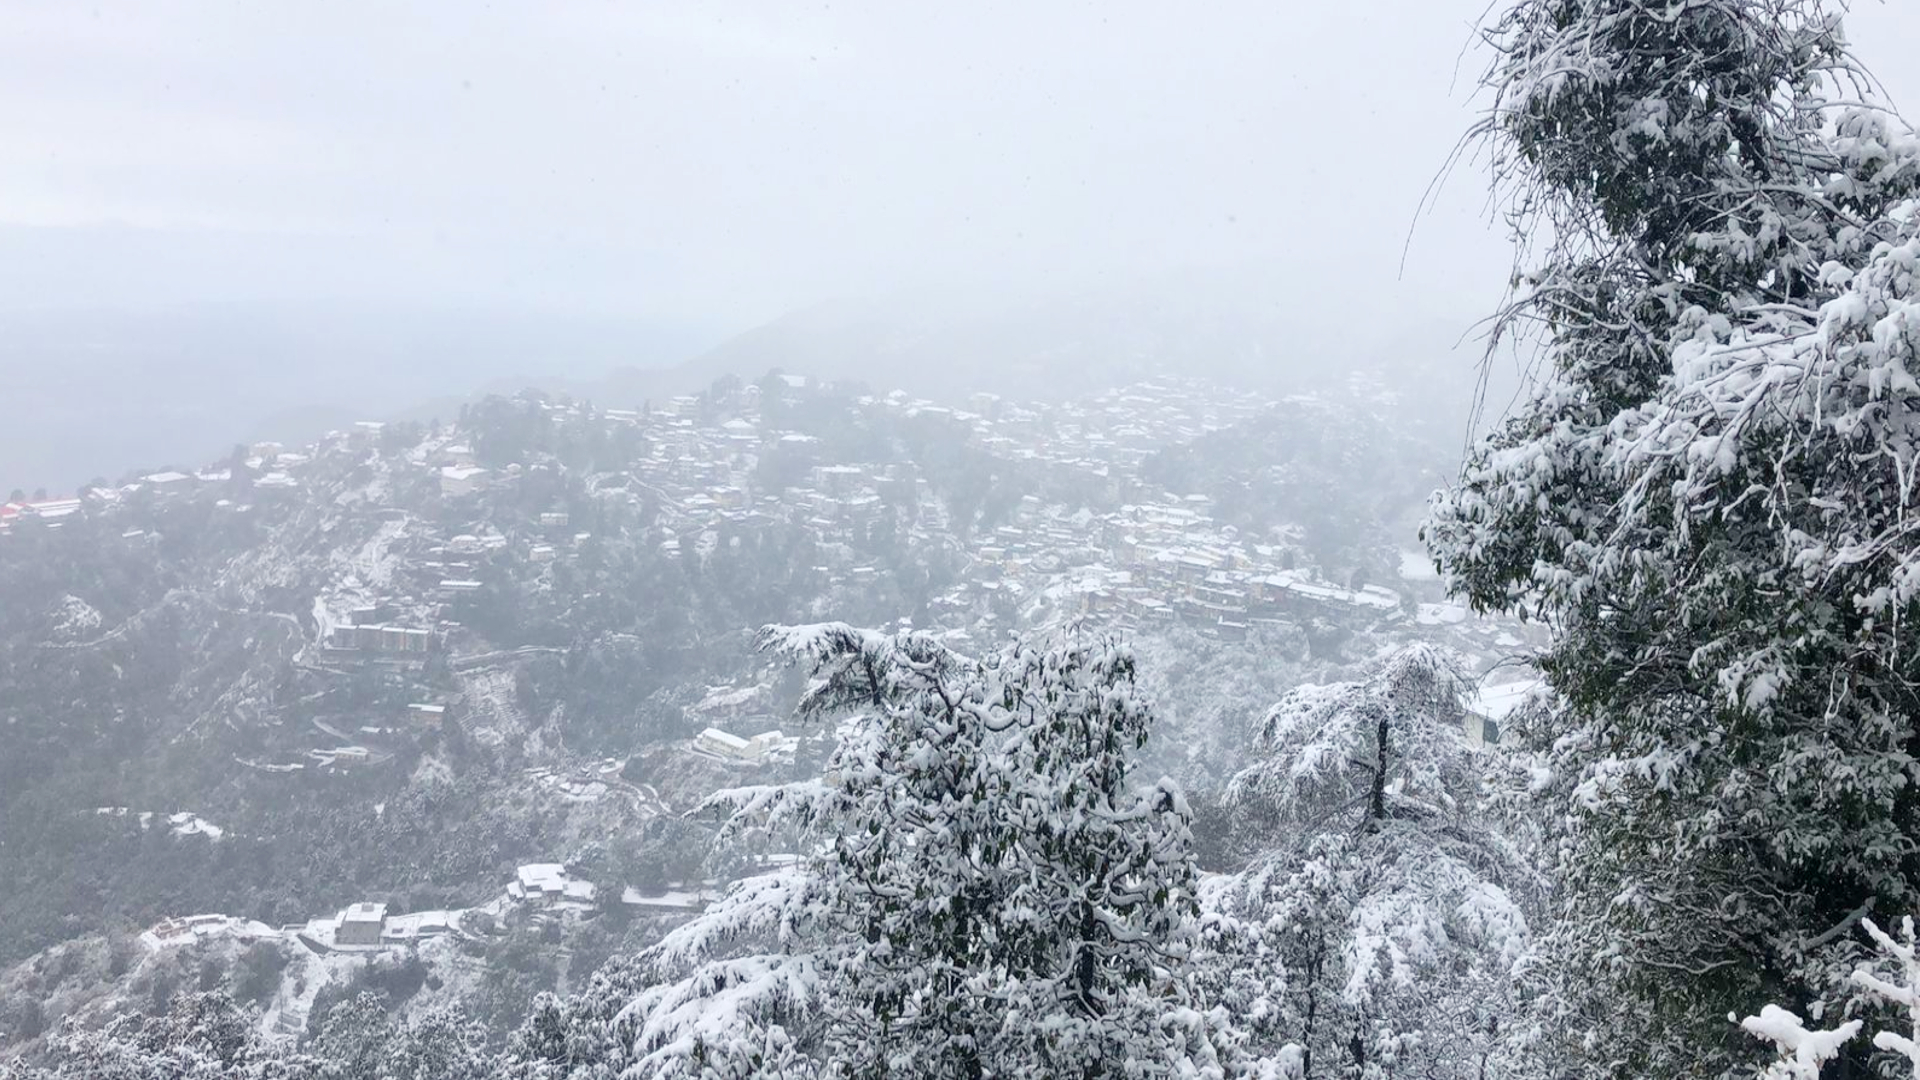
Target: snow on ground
x,y
286,1015
74,617
492,709
181,824
720,698
363,575
323,617
671,900
567,788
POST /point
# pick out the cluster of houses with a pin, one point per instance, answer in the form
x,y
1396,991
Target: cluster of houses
x,y
1176,563
268,465
269,469
539,890
1108,435
699,465
1160,558
368,926
1155,562
1155,558
549,886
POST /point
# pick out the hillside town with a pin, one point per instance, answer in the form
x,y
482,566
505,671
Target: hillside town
x,y
417,608
1092,539
1150,555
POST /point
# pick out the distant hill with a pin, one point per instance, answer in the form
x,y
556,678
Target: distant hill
x,y
947,348
97,393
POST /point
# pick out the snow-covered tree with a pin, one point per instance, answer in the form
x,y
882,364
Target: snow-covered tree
x,y
990,892
1902,990
439,1044
201,1037
1802,1051
1710,495
1378,931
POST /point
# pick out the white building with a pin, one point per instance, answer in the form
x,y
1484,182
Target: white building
x,y
549,885
539,881
725,744
169,482
361,924
457,480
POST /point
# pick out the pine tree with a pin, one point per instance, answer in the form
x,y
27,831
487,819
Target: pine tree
x,y
1710,497
1377,934
201,1037
991,893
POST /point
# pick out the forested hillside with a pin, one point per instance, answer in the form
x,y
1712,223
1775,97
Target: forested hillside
x,y
404,664
807,728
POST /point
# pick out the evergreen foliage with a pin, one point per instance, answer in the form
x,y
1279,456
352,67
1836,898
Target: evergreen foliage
x,y
1710,497
1378,935
989,893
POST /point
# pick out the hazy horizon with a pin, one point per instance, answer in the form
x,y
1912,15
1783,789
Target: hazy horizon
x,y
201,197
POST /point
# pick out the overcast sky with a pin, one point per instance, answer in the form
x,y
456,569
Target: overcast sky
x,y
719,163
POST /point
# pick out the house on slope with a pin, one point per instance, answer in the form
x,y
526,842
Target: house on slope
x,y
458,480
549,885
1489,706
361,924
730,747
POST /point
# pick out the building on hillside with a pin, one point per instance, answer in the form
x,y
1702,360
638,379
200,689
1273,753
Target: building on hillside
x,y
50,509
458,480
539,882
361,924
1488,707
725,744
369,614
411,929
381,637
549,885
169,482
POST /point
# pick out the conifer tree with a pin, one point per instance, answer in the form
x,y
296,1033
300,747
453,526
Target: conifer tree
x,y
990,893
1377,934
1710,497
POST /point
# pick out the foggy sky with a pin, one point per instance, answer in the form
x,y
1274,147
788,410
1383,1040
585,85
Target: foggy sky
x,y
719,164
